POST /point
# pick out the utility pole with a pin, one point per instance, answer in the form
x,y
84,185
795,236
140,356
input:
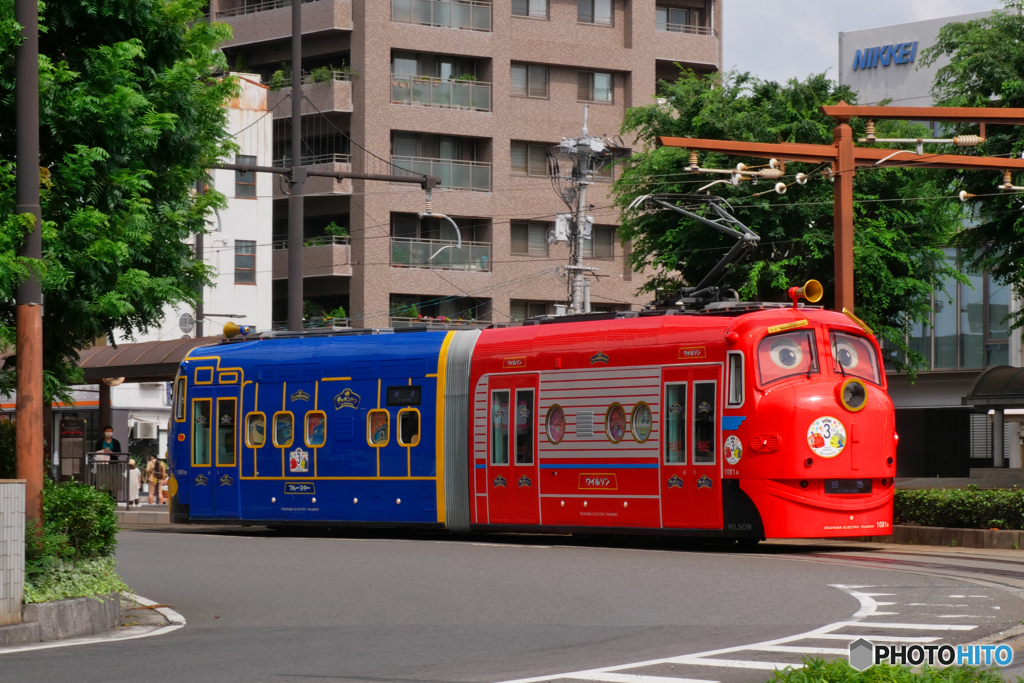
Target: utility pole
x,y
577,237
298,180
29,297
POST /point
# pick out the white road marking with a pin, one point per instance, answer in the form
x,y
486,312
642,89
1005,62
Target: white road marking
x,y
918,627
881,639
793,649
634,678
934,604
736,663
175,620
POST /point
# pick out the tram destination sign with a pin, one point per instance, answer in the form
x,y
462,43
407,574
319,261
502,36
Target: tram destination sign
x,y
847,486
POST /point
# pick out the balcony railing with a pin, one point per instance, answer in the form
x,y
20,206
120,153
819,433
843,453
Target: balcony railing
x,y
440,254
324,76
314,323
440,321
323,241
687,28
455,175
253,6
316,160
521,8
470,15
436,92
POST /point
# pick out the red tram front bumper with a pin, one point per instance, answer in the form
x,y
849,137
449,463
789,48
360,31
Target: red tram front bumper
x,y
791,511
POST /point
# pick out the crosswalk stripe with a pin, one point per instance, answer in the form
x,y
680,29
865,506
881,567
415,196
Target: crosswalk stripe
x,y
633,678
919,627
883,639
735,663
801,650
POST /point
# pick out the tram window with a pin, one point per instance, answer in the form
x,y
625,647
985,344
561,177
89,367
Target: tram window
x,y
641,422
524,427
675,424
316,429
704,423
378,426
256,429
179,399
735,378
408,427
225,431
499,428
284,429
786,355
201,414
854,356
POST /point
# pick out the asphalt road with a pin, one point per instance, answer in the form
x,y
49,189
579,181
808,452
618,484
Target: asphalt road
x,y
378,607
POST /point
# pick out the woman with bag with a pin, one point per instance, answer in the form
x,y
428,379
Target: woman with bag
x,y
156,472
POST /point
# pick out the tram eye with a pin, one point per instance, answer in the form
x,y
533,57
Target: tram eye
x,y
786,354
847,355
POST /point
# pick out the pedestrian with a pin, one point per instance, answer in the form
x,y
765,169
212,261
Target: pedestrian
x,y
156,472
108,444
133,484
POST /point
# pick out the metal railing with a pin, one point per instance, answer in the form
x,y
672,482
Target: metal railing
x,y
314,323
455,175
316,160
322,241
521,8
470,15
409,252
251,7
440,320
425,91
316,76
109,472
687,28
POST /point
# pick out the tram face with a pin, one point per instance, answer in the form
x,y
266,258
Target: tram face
x,y
825,422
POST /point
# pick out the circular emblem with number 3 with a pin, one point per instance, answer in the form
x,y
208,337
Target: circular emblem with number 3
x,y
826,437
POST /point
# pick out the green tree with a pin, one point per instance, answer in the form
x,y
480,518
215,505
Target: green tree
x,y
986,69
898,238
131,115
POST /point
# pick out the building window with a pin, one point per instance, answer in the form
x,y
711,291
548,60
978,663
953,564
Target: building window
x,y
594,87
967,329
529,159
601,244
245,181
538,9
245,262
524,310
530,239
677,19
594,12
529,81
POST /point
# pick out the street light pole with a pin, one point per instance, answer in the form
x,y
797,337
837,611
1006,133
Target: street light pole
x,y
298,179
29,297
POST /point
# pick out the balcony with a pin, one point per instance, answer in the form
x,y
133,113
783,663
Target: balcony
x,y
319,185
440,323
468,15
324,95
440,254
686,28
263,20
423,91
327,256
474,176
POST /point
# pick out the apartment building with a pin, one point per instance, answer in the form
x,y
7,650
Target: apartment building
x,y
473,92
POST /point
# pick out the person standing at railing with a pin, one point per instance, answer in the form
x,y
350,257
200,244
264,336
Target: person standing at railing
x,y
108,444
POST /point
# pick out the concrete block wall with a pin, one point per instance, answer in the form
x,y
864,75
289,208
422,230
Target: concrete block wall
x,y
12,549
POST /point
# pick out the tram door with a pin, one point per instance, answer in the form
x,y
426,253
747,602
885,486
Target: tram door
x,y
691,482
213,486
512,448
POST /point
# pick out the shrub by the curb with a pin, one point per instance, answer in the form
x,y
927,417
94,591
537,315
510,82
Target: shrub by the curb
x,y
62,580
86,516
840,671
969,508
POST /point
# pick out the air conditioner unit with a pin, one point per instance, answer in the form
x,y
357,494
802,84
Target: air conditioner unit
x,y
147,430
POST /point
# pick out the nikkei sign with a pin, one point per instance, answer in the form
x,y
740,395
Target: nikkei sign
x,y
869,58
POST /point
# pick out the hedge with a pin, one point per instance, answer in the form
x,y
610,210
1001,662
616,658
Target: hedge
x,y
840,671
969,508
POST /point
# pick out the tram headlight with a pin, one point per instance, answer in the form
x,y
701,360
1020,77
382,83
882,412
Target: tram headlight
x,y
853,394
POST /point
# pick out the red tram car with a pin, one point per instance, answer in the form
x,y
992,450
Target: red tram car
x,y
745,421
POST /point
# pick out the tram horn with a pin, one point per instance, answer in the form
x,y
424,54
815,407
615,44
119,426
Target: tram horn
x,y
812,291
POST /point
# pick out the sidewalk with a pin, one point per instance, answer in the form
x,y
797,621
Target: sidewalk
x,y
144,514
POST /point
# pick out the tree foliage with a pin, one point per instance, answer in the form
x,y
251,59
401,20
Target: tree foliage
x,y
898,235
986,69
131,115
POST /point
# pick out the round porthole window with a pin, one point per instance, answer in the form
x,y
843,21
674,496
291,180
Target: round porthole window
x,y
615,423
555,424
641,422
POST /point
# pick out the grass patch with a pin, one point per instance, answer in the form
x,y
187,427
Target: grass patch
x,y
969,508
62,580
840,671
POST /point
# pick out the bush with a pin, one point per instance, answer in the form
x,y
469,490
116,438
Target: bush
x,y
968,508
840,671
85,516
64,580
8,467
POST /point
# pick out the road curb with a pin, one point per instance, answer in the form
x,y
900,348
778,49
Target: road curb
x,y
905,534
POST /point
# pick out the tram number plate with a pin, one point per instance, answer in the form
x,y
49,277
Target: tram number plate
x,y
847,486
